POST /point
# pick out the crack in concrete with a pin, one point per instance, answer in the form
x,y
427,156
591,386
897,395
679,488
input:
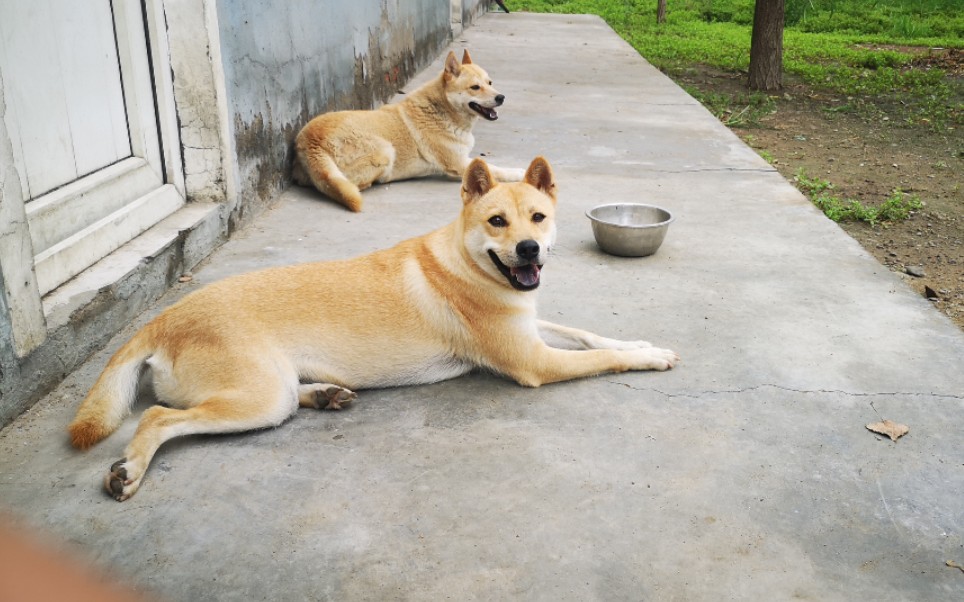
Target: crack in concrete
x,y
719,170
12,227
791,390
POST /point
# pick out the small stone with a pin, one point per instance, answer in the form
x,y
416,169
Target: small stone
x,y
915,271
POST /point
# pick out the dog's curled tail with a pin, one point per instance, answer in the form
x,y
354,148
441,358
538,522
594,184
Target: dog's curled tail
x,y
321,170
111,398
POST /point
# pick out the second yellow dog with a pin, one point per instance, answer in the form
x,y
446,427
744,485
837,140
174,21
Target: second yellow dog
x,y
429,133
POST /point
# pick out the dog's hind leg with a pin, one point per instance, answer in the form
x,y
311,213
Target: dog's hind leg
x,y
229,411
375,165
324,396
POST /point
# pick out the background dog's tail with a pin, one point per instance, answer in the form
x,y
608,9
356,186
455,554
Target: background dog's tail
x,y
328,178
112,396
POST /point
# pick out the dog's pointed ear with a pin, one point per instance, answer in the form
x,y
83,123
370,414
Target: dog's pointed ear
x,y
466,59
539,175
452,67
476,181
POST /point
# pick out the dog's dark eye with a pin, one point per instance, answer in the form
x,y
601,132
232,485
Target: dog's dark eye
x,y
476,87
498,221
538,217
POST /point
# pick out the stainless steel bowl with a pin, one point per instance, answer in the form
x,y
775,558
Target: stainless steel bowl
x,y
629,229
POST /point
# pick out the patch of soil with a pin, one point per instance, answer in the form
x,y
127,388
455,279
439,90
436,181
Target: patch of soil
x,y
866,158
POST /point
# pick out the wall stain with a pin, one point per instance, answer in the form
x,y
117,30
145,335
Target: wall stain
x,y
265,144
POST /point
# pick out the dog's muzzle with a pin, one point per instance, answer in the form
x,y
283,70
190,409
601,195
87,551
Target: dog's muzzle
x,y
488,113
525,275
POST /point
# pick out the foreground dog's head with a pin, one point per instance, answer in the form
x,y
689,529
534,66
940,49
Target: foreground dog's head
x,y
508,229
469,89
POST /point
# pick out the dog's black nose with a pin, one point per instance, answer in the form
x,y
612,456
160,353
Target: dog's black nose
x,y
500,98
527,249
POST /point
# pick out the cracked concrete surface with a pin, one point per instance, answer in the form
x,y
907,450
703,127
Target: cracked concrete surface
x,y
744,474
789,390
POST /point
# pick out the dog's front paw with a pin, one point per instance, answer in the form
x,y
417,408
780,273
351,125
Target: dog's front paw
x,y
662,359
336,397
122,480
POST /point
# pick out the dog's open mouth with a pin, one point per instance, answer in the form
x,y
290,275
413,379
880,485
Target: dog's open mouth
x,y
489,114
523,277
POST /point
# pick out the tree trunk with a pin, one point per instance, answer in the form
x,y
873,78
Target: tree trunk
x,y
766,47
661,11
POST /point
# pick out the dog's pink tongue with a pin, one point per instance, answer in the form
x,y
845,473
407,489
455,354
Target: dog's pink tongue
x,y
527,275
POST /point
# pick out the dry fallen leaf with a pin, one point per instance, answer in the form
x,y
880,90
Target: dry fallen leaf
x,y
954,565
890,428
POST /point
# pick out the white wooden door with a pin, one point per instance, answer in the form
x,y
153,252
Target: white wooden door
x,y
83,119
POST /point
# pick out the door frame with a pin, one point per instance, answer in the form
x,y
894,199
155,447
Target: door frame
x,y
22,290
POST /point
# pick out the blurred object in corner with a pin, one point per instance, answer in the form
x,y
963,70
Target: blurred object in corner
x,y
35,569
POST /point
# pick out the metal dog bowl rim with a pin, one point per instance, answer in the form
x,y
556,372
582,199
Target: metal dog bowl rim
x,y
666,222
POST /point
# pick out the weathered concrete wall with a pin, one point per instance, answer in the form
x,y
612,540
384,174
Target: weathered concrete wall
x,y
473,9
16,271
286,62
247,75
198,91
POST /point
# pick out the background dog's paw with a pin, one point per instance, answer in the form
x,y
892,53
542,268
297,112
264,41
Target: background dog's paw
x,y
510,174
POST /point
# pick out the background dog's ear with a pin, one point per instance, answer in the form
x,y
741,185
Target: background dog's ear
x,y
452,67
466,59
477,181
539,175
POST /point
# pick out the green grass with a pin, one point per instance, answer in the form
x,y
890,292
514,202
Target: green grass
x,y
766,156
856,48
735,110
897,207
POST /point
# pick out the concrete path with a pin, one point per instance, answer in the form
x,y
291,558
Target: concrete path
x,y
744,474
